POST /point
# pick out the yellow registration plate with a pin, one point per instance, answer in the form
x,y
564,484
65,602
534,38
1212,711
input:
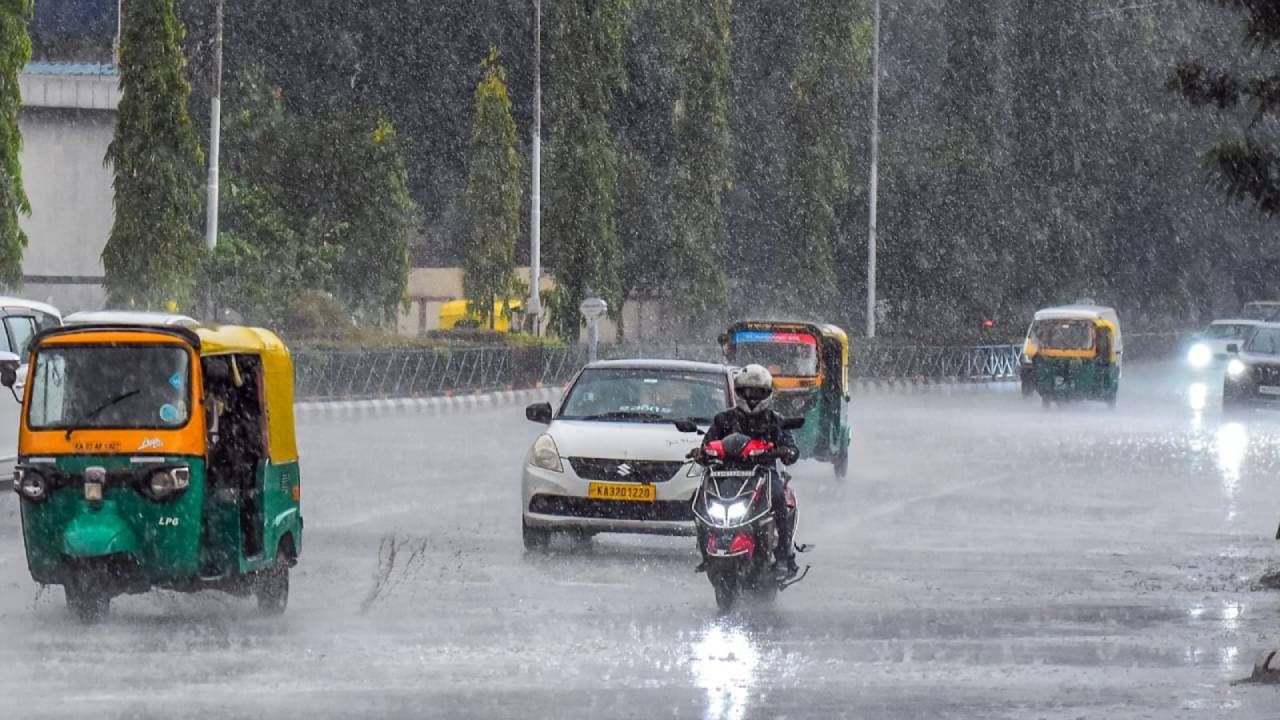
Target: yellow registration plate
x,y
630,492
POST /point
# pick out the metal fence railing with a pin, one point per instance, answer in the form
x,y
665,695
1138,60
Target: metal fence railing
x,y
361,374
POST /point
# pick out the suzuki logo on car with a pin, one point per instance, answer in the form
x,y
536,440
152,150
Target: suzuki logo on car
x,y
624,470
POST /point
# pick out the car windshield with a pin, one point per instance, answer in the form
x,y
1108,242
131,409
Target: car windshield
x,y
783,357
123,386
1064,334
1266,341
1228,331
633,395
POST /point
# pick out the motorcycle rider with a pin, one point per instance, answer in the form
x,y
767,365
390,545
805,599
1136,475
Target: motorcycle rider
x,y
754,417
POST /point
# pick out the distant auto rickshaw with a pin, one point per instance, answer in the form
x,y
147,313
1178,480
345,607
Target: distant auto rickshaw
x,y
810,367
158,456
457,314
1074,352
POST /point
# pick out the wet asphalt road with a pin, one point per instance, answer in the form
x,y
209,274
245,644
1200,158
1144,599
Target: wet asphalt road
x,y
986,559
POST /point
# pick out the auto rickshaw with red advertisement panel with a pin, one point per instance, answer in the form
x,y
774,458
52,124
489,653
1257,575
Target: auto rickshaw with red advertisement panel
x,y
810,367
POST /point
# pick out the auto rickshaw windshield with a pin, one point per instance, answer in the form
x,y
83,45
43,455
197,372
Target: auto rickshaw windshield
x,y
1064,334
121,386
784,354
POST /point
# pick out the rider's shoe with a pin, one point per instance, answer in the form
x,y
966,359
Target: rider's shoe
x,y
785,568
702,567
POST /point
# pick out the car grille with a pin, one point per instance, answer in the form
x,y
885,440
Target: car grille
x,y
640,471
658,511
1266,374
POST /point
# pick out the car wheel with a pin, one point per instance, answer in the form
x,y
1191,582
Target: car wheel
x,y
535,538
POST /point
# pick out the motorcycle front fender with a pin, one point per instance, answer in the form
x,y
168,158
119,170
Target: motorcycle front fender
x,y
99,533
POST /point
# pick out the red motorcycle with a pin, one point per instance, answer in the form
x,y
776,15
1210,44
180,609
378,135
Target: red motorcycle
x,y
733,512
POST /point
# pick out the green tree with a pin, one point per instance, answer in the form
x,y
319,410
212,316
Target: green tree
x,y
15,51
587,38
703,40
494,194
153,253
820,157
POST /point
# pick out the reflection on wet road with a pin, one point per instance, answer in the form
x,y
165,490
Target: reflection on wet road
x,y
987,559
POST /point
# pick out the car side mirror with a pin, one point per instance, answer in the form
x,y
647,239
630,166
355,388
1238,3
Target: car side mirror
x,y
539,413
1233,348
686,426
794,423
9,364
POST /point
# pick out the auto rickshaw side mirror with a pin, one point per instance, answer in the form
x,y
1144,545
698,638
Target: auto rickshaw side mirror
x,y
539,413
1233,348
793,423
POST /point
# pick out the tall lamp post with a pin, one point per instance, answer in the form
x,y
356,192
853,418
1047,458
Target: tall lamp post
x,y
215,140
533,307
874,185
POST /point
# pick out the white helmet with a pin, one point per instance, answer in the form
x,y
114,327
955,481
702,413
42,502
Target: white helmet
x,y
753,386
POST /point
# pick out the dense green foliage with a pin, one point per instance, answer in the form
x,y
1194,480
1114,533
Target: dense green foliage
x,y
153,253
495,188
347,235
15,51
1031,154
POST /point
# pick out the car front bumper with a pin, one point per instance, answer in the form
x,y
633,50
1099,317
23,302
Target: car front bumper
x,y
558,500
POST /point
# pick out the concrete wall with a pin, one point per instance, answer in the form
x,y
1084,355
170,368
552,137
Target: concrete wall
x,y
66,123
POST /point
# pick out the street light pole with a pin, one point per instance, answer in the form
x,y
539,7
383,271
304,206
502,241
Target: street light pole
x,y
534,305
874,185
215,141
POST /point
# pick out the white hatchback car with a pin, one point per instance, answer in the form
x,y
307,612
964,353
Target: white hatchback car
x,y
612,459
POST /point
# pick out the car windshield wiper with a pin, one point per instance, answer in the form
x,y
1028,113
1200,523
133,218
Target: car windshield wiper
x,y
625,415
101,408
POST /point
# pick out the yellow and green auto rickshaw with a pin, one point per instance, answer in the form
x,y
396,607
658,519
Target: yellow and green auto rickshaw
x,y
1075,352
810,367
158,456
457,314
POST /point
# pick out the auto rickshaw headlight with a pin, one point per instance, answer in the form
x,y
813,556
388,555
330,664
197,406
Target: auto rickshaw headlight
x,y
165,483
30,484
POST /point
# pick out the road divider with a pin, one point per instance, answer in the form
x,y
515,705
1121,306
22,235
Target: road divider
x,y
307,412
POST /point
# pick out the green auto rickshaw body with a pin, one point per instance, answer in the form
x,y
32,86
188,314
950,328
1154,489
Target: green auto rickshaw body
x,y
1074,352
810,366
101,510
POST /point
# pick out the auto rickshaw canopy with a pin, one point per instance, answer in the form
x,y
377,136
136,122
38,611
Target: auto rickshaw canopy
x,y
830,344
1097,316
277,381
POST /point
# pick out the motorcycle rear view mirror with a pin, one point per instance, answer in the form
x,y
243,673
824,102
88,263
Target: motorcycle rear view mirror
x,y
794,423
539,413
686,426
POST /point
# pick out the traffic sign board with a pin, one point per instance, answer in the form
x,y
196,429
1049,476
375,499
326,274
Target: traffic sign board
x,y
593,308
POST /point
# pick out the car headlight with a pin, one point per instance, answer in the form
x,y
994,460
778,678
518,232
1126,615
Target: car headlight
x,y
29,484
1200,356
545,454
738,511
1236,369
165,483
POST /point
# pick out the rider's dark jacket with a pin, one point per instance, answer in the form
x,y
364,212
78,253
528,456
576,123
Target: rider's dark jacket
x,y
766,426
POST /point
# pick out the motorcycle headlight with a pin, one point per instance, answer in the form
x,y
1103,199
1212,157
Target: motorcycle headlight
x,y
718,511
30,484
1200,356
1236,369
545,454
738,511
165,483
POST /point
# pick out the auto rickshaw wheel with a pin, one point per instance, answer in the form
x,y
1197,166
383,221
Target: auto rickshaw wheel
x,y
842,463
1046,402
271,586
87,603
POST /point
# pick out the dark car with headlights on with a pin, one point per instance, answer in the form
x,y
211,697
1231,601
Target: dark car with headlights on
x,y
1253,373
